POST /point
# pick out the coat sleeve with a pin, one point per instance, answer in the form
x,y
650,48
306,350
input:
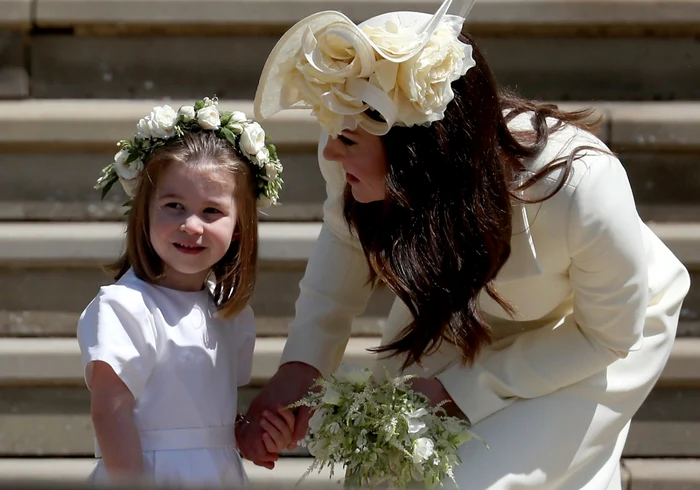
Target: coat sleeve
x,y
334,289
608,277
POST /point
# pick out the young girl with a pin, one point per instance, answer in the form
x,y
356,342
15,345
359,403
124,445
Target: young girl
x,y
165,348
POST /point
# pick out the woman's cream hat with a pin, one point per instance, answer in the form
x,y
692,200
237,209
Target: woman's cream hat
x,y
399,65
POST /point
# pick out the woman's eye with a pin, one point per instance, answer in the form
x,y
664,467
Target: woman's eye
x,y
346,141
212,211
174,205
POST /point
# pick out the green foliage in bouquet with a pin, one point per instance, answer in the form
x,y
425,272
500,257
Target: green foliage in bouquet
x,y
381,431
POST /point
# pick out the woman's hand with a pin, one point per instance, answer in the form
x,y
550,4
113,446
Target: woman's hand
x,y
436,393
291,382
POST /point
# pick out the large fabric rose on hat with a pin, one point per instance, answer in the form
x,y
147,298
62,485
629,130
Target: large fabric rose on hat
x,y
341,73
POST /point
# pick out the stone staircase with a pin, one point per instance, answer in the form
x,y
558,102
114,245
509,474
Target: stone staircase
x,y
75,76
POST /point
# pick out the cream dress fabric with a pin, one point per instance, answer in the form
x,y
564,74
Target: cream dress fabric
x,y
183,367
597,296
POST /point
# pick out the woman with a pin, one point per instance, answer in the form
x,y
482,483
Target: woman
x,y
529,292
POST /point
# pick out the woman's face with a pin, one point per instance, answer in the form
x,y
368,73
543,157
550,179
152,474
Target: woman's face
x,y
364,161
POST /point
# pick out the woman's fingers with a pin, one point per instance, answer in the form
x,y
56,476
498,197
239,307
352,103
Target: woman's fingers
x,y
288,417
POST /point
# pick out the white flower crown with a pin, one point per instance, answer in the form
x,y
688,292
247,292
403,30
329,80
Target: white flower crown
x,y
164,124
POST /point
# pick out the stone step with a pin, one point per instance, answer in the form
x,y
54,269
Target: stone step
x,y
666,186
54,421
51,152
43,472
37,260
37,125
638,474
23,324
487,13
542,48
15,14
32,361
558,66
53,324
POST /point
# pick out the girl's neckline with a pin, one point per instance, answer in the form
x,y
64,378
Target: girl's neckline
x,y
199,292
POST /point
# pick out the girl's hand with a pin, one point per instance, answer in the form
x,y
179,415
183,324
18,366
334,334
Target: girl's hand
x,y
278,429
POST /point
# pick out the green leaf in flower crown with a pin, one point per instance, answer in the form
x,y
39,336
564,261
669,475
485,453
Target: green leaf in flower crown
x,y
133,156
273,151
108,186
225,117
228,134
198,105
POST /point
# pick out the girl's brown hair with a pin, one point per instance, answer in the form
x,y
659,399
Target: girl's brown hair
x,y
443,231
235,273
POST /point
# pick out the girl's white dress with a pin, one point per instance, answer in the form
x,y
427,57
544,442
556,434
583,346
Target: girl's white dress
x,y
183,366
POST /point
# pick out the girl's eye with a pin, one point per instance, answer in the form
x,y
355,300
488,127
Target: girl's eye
x,y
174,205
346,141
212,211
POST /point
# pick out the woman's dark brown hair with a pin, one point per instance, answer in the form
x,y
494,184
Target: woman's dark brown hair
x,y
235,273
443,231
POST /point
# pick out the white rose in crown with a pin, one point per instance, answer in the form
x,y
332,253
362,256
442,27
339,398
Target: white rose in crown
x,y
160,123
425,80
271,171
130,186
252,139
237,123
208,117
262,157
127,171
238,116
187,113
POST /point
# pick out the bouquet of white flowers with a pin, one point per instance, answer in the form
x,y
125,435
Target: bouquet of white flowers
x,y
381,431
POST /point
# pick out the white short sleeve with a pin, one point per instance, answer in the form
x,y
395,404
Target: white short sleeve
x,y
245,339
117,329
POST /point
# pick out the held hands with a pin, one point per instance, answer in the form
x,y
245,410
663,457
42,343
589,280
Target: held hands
x,y
291,382
279,430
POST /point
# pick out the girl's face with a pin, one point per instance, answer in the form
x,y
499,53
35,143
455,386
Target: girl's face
x,y
192,223
364,161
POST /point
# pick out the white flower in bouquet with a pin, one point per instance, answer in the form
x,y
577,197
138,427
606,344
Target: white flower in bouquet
x,y
381,431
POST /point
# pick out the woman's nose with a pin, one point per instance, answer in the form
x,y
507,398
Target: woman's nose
x,y
332,151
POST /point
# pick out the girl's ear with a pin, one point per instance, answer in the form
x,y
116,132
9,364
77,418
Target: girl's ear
x,y
236,234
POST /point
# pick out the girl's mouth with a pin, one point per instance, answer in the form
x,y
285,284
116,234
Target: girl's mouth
x,y
188,249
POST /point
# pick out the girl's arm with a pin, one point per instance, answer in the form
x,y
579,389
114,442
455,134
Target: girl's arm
x,y
111,408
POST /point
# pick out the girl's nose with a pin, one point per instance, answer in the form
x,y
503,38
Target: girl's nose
x,y
193,225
